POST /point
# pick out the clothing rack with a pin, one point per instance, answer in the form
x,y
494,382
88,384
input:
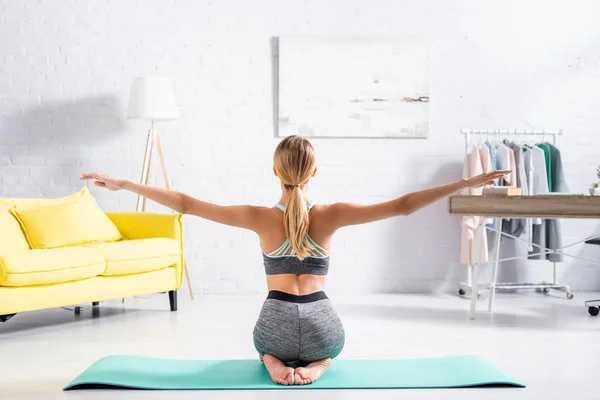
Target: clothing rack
x,y
506,133
465,287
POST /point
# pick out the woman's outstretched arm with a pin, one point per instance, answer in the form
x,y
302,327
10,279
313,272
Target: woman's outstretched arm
x,y
240,216
344,214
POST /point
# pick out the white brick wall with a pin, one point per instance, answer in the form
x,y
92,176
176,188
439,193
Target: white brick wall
x,y
66,68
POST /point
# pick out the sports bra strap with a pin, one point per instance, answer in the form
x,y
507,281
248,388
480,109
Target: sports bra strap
x,y
282,208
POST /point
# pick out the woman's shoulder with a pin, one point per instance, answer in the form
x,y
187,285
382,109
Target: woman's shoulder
x,y
327,207
322,209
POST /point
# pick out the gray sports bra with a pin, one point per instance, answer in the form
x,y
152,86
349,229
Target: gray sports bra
x,y
284,260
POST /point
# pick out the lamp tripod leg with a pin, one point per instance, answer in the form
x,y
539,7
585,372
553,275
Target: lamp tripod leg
x,y
148,168
141,201
163,164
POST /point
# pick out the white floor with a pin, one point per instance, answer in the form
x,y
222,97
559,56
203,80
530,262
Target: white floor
x,y
548,342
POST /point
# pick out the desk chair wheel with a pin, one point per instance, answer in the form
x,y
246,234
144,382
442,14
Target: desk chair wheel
x,y
593,311
569,296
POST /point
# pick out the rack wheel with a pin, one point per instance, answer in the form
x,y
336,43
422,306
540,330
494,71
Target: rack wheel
x,y
461,292
593,311
569,296
546,290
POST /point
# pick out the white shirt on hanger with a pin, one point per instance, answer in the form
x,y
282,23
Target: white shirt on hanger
x,y
539,178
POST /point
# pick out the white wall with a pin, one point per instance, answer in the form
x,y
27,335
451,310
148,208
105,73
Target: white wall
x,y
66,68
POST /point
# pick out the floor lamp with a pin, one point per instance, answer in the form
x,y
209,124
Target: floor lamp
x,y
152,98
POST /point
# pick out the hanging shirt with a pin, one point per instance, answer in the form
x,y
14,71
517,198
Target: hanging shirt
x,y
516,226
547,155
493,155
486,159
559,182
468,254
520,170
538,181
494,159
503,159
486,164
549,233
512,167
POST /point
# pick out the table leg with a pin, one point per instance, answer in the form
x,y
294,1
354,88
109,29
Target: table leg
x,y
494,276
475,277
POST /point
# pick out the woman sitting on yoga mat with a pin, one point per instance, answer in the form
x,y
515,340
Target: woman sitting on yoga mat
x,y
298,331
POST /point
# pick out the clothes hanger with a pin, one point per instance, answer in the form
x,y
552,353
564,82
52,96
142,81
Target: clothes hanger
x,y
470,144
532,141
523,139
499,141
543,135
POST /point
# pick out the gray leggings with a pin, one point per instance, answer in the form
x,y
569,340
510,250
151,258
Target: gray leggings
x,y
298,329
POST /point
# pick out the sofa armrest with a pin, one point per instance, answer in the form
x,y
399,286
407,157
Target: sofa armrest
x,y
143,225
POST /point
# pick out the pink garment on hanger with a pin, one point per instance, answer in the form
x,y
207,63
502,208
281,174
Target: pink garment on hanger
x,y
513,168
486,163
486,159
468,252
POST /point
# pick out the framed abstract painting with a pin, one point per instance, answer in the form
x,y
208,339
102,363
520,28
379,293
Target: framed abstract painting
x,y
353,87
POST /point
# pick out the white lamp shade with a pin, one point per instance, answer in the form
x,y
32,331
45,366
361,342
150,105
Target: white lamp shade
x,y
152,98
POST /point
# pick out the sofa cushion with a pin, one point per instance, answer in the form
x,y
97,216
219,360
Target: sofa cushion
x,y
43,267
11,235
71,221
140,255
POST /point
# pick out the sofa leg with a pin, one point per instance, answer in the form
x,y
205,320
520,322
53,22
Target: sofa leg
x,y
4,318
95,304
173,300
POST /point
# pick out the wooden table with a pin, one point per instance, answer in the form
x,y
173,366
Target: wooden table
x,y
551,206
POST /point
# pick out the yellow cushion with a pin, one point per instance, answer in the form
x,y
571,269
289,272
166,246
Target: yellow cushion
x,y
140,255
11,235
70,221
42,267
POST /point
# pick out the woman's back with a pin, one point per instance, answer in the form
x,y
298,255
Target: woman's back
x,y
285,272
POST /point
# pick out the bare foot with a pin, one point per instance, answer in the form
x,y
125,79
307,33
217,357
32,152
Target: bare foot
x,y
280,374
312,372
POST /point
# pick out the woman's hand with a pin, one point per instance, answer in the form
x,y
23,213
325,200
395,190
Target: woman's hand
x,y
485,179
104,181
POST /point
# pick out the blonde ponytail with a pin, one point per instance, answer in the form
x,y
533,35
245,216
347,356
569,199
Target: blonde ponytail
x,y
295,223
295,164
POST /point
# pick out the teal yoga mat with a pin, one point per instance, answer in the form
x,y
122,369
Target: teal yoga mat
x,y
133,372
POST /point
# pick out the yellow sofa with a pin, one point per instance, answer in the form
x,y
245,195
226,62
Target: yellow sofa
x,y
148,259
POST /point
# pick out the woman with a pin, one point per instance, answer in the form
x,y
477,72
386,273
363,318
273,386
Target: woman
x,y
298,332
